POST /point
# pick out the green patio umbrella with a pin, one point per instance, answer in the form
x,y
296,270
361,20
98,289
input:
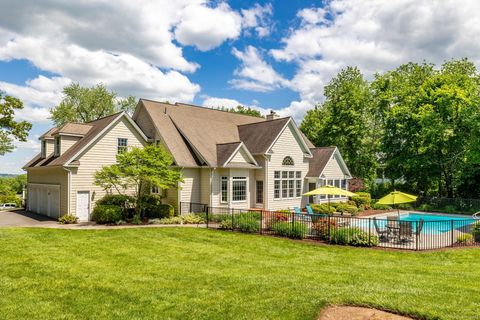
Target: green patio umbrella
x,y
330,191
397,197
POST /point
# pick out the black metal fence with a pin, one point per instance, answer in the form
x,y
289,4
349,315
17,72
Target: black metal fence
x,y
345,230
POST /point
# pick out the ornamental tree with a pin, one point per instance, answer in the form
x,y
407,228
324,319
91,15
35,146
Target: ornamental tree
x,y
137,170
9,128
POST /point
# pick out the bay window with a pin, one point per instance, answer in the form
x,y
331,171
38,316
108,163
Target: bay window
x,y
239,188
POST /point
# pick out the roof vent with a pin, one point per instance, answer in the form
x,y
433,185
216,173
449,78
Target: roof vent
x,y
272,115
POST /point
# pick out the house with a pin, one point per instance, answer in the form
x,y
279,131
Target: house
x,y
227,159
61,178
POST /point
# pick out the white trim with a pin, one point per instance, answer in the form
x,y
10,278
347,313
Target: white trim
x,y
108,127
241,145
69,135
307,154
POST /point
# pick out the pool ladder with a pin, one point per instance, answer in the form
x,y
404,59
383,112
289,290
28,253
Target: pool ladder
x,y
476,215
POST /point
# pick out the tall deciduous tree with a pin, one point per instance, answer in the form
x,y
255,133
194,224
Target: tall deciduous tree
x,y
346,120
84,104
249,111
9,128
137,170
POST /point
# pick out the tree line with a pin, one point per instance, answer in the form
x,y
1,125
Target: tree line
x,y
419,123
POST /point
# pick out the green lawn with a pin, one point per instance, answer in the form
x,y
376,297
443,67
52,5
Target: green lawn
x,y
187,273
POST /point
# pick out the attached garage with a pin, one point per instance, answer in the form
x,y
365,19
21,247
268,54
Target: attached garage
x,y
44,199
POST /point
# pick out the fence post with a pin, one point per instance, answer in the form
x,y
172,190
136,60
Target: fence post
x,y
369,231
190,207
451,231
206,214
417,234
261,221
329,234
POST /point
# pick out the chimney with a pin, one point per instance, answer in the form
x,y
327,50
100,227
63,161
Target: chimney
x,y
271,116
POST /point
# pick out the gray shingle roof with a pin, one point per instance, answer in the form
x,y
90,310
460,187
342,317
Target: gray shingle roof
x,y
319,160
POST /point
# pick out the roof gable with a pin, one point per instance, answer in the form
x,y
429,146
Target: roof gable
x,y
321,158
234,154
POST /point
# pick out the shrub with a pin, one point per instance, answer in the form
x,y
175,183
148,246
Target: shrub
x,y
11,198
172,220
136,219
322,226
362,199
476,231
115,200
153,208
192,218
405,206
284,211
323,208
226,225
276,217
449,209
346,208
295,230
465,238
377,206
107,213
425,207
353,236
218,218
68,219
247,224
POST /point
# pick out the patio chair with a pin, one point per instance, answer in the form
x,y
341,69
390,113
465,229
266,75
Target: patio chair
x,y
392,226
297,210
382,232
309,209
405,233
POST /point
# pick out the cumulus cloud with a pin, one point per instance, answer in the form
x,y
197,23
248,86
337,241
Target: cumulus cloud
x,y
254,73
206,27
375,36
258,18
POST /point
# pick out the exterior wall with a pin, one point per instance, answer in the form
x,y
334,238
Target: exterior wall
x,y
240,157
49,147
54,176
240,173
205,186
101,153
216,176
286,145
171,197
260,175
332,171
216,180
190,187
66,142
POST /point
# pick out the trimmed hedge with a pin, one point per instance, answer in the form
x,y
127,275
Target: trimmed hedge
x,y
323,208
106,214
294,230
353,237
153,208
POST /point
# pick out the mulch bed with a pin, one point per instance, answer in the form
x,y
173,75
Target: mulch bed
x,y
358,313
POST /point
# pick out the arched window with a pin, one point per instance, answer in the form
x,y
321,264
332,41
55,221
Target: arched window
x,y
288,161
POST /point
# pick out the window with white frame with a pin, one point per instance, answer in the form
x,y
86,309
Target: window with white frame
x,y
239,188
224,190
56,147
288,161
287,184
122,144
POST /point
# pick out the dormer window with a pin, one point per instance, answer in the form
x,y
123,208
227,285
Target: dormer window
x,y
44,149
122,145
56,148
288,161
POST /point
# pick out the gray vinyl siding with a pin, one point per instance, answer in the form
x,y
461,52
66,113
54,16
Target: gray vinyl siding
x,y
66,142
101,153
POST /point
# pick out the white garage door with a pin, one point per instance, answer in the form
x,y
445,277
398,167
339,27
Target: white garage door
x,y
44,199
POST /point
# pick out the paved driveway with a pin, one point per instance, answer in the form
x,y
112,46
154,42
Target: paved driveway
x,y
21,218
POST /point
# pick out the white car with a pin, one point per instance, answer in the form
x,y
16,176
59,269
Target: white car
x,y
6,206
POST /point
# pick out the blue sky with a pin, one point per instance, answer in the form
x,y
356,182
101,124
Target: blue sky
x,y
267,55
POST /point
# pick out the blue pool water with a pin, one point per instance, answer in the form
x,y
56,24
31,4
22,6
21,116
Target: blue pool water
x,y
435,223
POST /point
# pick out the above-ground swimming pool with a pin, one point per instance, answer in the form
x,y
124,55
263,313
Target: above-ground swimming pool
x,y
433,223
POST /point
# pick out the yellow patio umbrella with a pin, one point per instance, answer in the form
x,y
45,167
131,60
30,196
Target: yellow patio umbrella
x,y
397,197
330,191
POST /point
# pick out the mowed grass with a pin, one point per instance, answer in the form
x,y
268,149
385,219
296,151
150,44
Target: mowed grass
x,y
188,273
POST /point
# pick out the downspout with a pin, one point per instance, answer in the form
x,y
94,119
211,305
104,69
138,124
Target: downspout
x,y
265,186
69,188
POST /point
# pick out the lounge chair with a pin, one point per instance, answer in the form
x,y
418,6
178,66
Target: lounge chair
x,y
297,210
382,232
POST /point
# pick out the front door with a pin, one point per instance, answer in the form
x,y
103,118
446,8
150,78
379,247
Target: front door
x,y
83,205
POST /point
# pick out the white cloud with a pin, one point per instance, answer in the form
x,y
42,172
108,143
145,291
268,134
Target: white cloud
x,y
296,109
30,144
258,18
254,73
206,27
376,36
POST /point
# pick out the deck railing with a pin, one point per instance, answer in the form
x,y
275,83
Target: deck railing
x,y
343,230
